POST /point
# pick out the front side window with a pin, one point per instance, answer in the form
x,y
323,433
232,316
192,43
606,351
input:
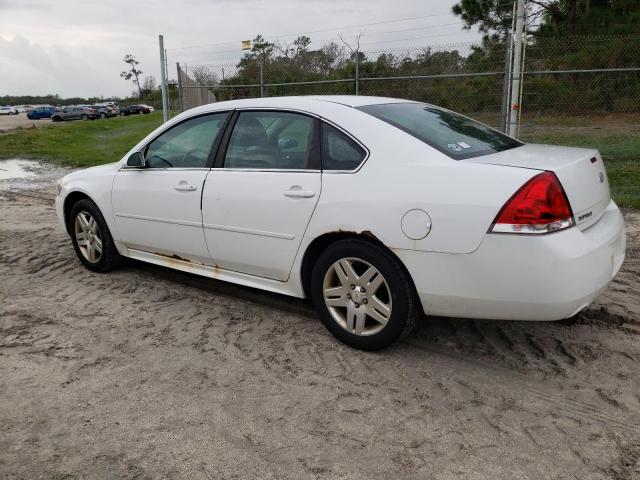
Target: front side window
x,y
452,134
188,144
272,140
339,152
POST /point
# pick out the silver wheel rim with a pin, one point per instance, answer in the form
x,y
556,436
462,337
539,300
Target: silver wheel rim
x,y
88,237
357,296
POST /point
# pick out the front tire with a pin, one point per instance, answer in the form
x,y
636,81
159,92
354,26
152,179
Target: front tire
x,y
85,117
364,295
91,238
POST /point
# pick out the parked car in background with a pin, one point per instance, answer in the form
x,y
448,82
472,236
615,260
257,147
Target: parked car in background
x,y
151,109
378,209
8,110
104,111
41,112
75,113
134,110
112,105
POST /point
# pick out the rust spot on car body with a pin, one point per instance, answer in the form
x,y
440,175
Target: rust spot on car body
x,y
173,257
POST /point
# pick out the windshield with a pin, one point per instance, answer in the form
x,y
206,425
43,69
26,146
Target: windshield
x,y
454,135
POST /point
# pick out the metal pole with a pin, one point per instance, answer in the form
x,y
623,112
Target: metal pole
x,y
180,100
166,69
358,72
261,78
504,110
163,81
516,77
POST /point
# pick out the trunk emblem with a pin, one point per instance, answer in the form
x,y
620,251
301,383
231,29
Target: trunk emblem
x,y
601,177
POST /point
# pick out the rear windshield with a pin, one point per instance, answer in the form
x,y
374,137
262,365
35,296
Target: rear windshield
x,y
454,135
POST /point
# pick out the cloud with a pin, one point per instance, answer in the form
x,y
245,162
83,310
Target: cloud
x,y
75,47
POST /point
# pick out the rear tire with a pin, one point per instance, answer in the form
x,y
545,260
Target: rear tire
x,y
84,117
364,295
91,238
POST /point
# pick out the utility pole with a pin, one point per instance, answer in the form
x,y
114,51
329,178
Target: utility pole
x,y
261,77
163,81
516,76
506,83
180,99
358,70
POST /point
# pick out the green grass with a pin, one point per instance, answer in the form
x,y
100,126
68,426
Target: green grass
x,y
78,143
620,152
102,141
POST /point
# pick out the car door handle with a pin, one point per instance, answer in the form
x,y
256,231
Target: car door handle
x,y
185,187
299,194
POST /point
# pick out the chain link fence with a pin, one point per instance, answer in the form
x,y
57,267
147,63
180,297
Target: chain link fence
x,y
563,78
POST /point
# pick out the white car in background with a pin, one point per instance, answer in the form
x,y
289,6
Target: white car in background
x,y
8,110
378,209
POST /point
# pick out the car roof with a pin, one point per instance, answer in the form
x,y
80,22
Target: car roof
x,y
302,101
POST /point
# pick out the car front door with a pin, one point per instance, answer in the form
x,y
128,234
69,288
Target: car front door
x,y
259,198
157,208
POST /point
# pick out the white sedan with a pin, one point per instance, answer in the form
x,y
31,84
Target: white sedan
x,y
9,110
380,210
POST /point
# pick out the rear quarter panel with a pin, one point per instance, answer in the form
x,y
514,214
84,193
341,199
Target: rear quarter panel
x,y
402,173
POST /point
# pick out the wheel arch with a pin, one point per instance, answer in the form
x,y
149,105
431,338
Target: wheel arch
x,y
70,200
324,241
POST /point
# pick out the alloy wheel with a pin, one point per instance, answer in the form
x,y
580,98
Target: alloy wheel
x,y
88,237
357,296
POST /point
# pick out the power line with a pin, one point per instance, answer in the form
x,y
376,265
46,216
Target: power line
x,y
318,31
326,39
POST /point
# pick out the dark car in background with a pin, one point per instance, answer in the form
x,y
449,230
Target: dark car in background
x,y
75,113
134,110
41,112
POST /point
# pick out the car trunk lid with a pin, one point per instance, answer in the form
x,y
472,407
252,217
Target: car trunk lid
x,y
581,172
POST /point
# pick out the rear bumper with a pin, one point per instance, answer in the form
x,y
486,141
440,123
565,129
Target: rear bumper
x,y
509,277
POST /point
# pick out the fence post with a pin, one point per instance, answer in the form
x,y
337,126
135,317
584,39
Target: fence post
x,y
163,81
180,100
516,77
358,72
261,78
504,108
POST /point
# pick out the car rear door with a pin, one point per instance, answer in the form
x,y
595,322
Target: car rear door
x,y
157,209
259,198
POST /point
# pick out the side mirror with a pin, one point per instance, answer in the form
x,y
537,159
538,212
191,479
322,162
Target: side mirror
x,y
136,159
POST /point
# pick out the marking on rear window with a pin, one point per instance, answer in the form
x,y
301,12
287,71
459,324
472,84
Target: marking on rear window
x,y
455,147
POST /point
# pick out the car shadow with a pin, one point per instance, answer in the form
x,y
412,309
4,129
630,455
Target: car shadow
x,y
546,348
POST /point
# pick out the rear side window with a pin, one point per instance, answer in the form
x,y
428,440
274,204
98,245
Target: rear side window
x,y
452,134
339,152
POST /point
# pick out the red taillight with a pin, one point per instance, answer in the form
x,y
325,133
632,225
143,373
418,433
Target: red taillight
x,y
540,206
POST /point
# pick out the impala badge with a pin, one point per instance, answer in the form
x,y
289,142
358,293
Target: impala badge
x,y
601,176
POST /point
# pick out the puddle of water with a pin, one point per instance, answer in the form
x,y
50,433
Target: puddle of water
x,y
10,169
24,174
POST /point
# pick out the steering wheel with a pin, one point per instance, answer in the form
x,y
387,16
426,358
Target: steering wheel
x,y
189,153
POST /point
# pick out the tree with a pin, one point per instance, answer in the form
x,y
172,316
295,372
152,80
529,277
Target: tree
x,y
149,84
552,17
133,72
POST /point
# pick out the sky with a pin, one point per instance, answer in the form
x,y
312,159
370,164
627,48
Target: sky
x,y
75,47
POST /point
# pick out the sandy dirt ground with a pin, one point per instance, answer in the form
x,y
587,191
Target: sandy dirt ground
x,y
147,373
